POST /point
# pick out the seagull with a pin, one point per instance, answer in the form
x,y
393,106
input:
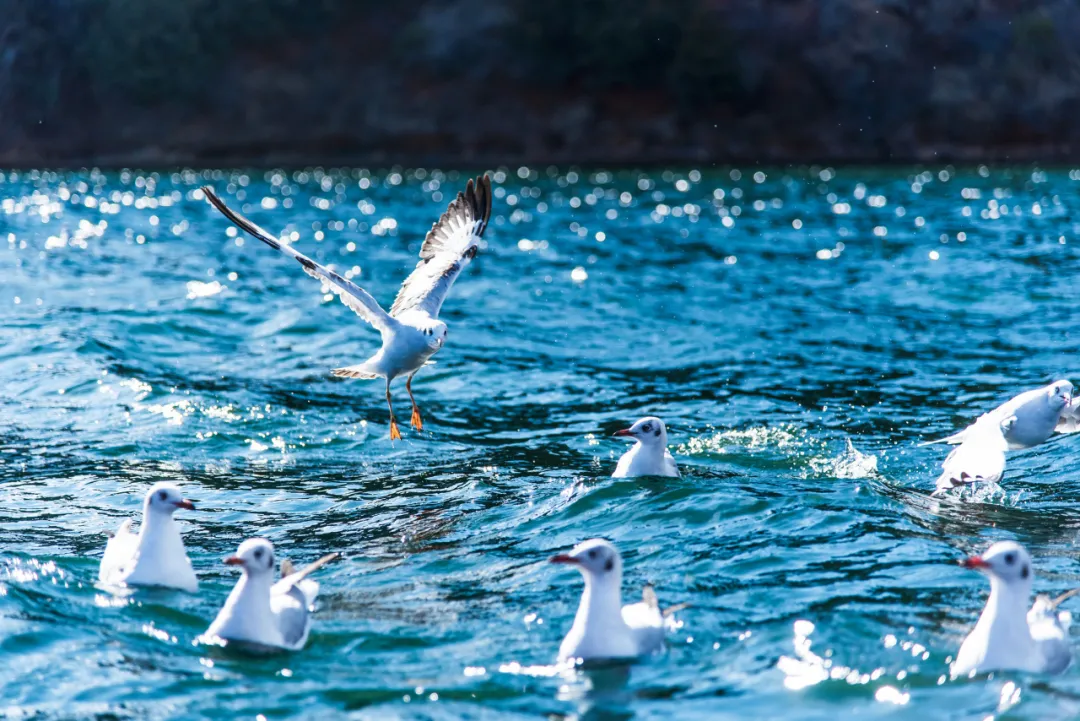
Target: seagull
x,y
261,612
980,458
604,628
1039,413
155,556
649,456
411,332
1009,637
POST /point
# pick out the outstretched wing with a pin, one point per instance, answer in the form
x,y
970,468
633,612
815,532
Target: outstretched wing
x,y
350,294
449,246
980,458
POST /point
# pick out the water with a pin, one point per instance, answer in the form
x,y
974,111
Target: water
x,y
139,340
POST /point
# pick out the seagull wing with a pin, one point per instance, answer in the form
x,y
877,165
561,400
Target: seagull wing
x,y
1050,631
293,613
119,551
291,600
980,458
646,623
352,295
449,246
669,465
1069,421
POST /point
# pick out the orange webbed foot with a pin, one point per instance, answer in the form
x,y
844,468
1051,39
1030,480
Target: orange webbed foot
x,y
395,434
416,422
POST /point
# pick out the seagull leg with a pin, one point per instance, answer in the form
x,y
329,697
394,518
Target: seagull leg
x,y
395,434
416,421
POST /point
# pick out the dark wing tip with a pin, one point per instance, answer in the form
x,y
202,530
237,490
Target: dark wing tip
x,y
478,195
482,200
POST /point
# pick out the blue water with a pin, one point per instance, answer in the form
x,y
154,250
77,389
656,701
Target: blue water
x,y
768,315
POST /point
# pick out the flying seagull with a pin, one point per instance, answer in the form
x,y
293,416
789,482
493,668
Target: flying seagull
x,y
1039,414
411,332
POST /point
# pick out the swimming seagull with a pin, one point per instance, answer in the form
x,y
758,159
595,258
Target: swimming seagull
x,y
264,613
411,331
649,456
980,458
604,628
155,556
1039,413
1009,637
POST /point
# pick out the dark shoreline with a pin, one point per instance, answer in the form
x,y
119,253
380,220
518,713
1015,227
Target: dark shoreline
x,y
1044,158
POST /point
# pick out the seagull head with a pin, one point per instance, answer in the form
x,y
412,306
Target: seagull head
x,y
255,556
1060,393
649,431
435,335
1006,561
597,559
164,498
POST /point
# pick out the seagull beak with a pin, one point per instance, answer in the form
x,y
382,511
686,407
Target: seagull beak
x,y
185,504
974,562
564,558
623,432
234,561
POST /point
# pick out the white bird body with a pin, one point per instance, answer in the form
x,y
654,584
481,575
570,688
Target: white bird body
x,y
649,456
411,332
980,458
603,628
1007,635
261,612
1039,413
155,556
405,349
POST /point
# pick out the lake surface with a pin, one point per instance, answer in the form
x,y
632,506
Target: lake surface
x,y
768,315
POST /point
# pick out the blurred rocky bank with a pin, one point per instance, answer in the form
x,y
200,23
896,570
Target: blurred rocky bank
x,y
486,82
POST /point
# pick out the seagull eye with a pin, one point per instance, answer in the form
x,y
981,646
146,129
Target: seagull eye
x,y
258,553
592,553
1010,558
162,495
647,428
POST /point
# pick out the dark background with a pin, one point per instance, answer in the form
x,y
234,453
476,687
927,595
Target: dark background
x,y
459,82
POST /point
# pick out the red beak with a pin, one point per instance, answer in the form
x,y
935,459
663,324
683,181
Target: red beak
x,y
185,504
623,432
234,561
563,558
974,562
